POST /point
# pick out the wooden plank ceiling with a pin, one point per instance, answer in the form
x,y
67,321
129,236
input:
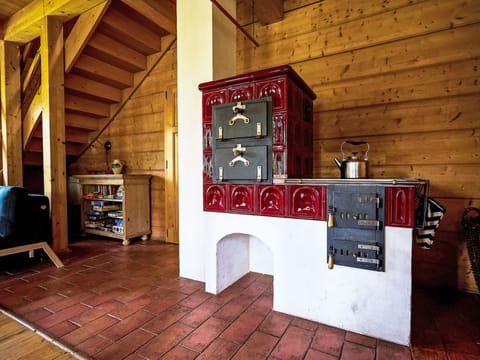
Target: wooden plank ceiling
x,y
109,50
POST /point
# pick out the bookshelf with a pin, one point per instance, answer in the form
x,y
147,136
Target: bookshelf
x,y
115,206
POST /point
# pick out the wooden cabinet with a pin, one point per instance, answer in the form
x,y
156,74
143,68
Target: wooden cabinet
x,y
116,206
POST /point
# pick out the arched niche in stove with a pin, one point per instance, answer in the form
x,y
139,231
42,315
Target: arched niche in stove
x,y
239,254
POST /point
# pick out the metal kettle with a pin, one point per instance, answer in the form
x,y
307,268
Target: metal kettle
x,y
353,167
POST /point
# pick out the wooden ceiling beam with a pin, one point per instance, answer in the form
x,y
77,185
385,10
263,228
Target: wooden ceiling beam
x,y
161,13
26,24
82,31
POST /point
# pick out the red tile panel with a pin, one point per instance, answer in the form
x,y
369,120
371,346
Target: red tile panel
x,y
307,202
399,206
242,198
271,200
215,197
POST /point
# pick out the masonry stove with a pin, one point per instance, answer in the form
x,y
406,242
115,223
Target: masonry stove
x,y
365,224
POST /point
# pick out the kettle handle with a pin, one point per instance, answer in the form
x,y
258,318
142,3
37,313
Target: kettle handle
x,y
353,142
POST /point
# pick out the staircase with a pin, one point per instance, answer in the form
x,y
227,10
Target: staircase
x,y
121,41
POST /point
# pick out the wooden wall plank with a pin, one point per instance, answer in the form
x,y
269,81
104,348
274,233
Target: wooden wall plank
x,y
447,46
436,81
423,18
454,113
435,148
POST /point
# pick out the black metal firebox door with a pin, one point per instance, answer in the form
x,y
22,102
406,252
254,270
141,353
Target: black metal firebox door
x,y
356,232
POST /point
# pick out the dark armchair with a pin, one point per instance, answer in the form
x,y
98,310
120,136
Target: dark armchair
x,y
25,223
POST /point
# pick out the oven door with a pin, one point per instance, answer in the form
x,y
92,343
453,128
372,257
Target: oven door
x,y
248,164
355,232
246,119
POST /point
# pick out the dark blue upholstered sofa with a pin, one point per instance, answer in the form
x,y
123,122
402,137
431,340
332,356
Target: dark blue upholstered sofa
x,y
25,222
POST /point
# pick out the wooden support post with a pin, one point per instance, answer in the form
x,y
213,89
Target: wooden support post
x,y
53,127
11,114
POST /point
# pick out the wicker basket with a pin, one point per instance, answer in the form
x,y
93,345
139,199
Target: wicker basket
x,y
471,223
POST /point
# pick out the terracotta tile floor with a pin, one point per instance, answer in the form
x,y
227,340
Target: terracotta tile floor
x,y
117,302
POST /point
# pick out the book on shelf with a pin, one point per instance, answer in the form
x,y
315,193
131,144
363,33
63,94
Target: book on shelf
x,y
100,191
118,214
107,208
96,217
92,212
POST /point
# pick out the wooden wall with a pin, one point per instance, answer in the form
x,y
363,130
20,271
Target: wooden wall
x,y
137,139
400,74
